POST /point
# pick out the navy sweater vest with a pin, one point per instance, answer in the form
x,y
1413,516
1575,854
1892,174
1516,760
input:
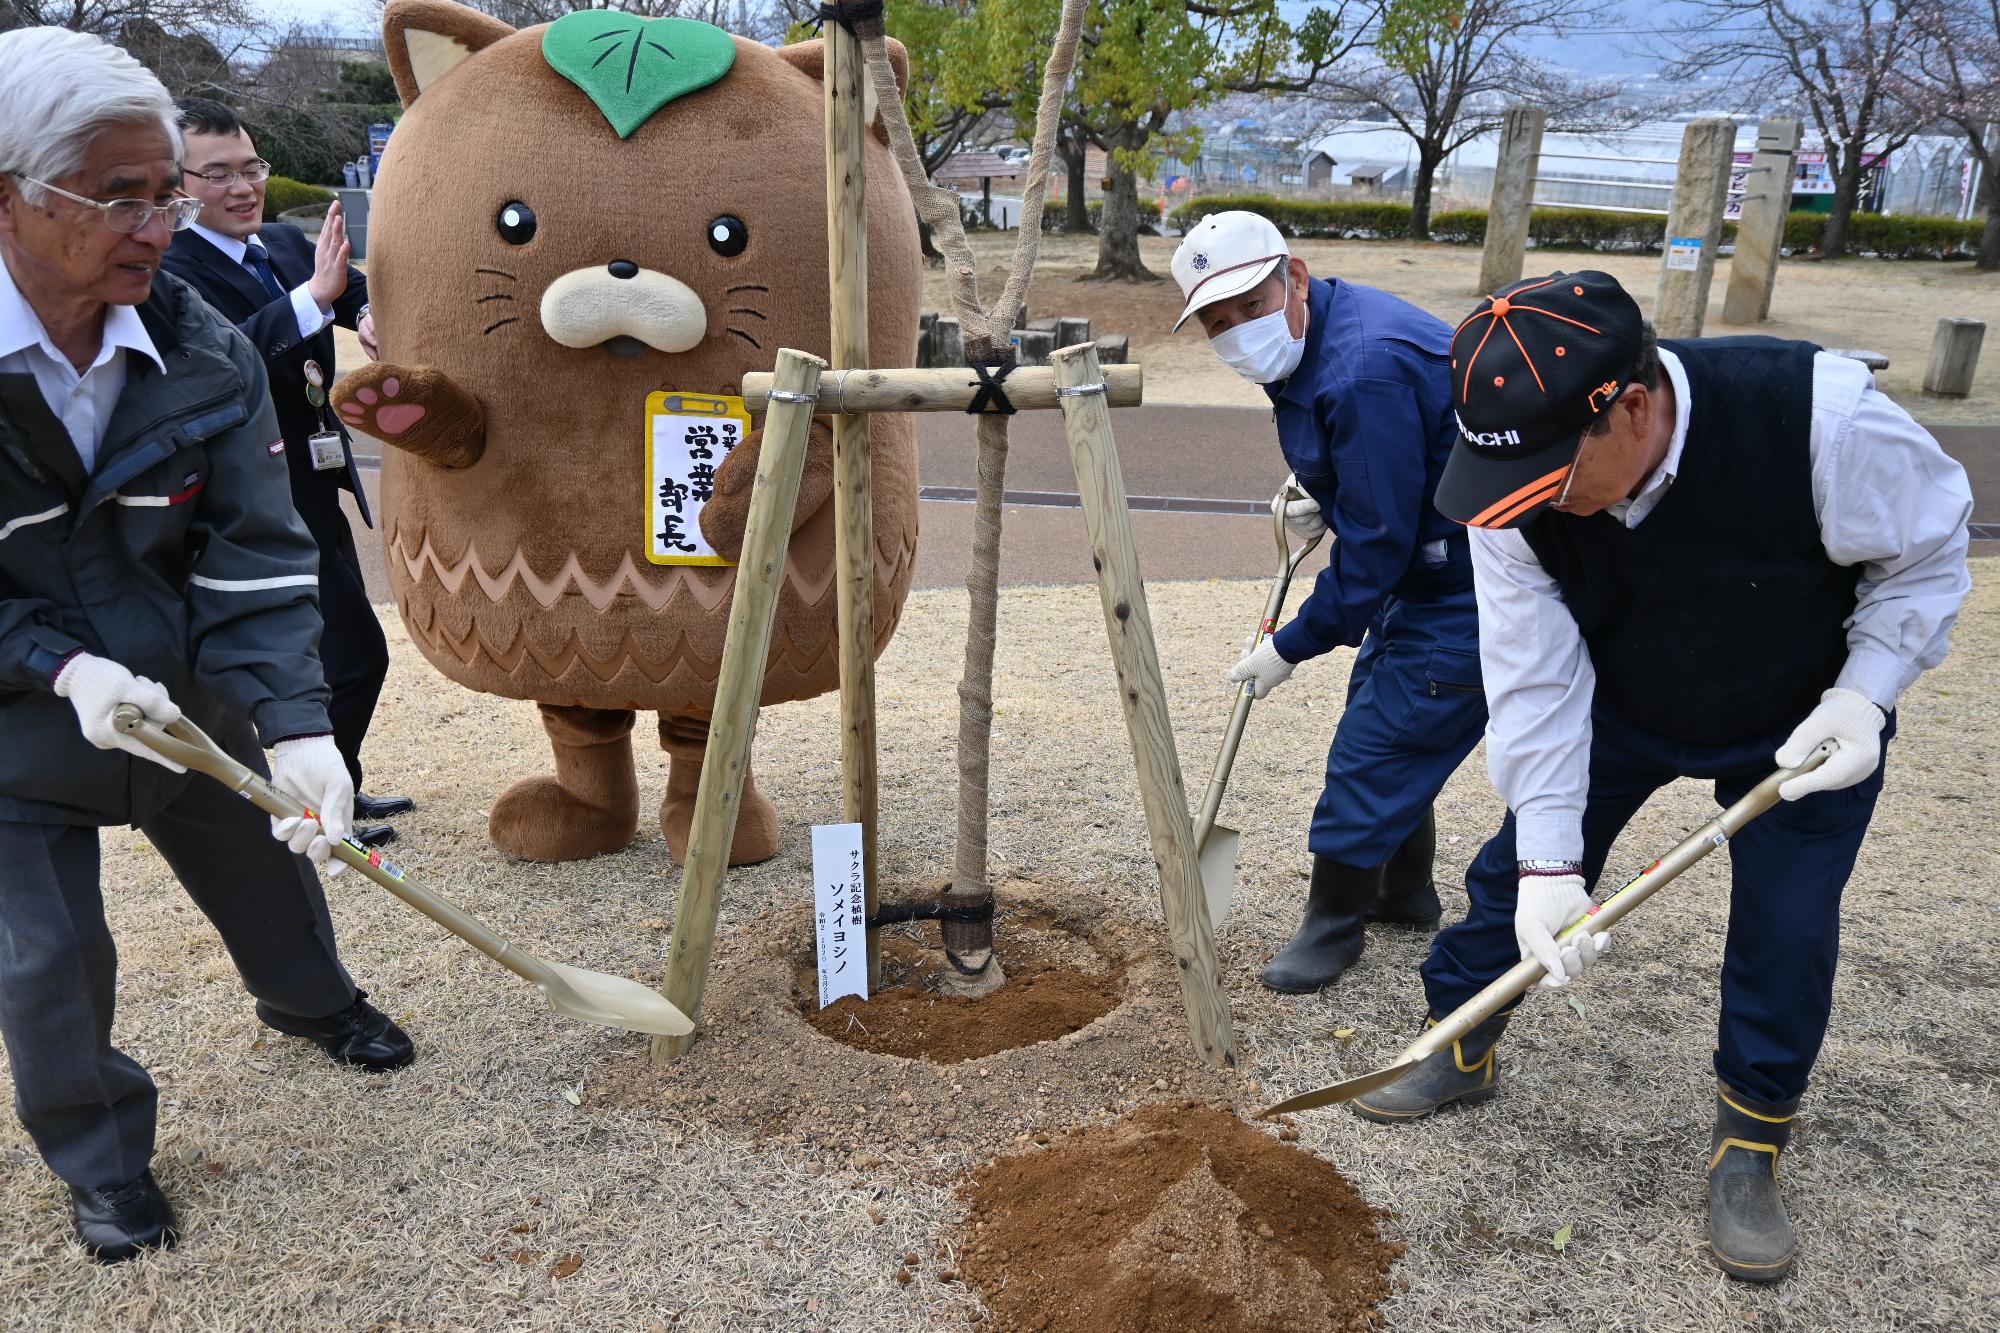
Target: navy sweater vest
x,y
1719,617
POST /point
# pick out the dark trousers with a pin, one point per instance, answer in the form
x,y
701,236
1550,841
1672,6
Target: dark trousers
x,y
352,650
1414,711
88,1106
1787,870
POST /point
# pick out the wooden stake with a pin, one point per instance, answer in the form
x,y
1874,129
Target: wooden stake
x,y
853,509
732,728
943,389
1143,695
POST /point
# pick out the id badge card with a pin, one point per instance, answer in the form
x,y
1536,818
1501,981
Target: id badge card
x,y
326,451
688,436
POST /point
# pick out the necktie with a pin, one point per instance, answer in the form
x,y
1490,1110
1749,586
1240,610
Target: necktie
x,y
259,263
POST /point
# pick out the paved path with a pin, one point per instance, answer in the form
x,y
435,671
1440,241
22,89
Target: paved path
x,y
1200,479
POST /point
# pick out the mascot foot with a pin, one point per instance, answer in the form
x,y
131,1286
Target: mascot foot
x,y
591,805
756,838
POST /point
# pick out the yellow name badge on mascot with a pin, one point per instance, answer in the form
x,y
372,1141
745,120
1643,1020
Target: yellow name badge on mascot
x,y
688,435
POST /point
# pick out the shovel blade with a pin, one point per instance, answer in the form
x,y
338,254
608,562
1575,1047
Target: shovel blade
x,y
1340,1092
1217,855
612,1002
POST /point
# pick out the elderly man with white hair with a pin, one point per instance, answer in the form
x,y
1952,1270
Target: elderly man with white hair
x,y
149,555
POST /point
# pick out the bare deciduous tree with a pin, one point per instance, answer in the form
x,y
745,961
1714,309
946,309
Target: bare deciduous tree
x,y
1954,78
1839,62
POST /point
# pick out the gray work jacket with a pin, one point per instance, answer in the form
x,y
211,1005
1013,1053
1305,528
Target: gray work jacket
x,y
181,559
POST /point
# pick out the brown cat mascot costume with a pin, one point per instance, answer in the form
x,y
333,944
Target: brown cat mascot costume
x,y
570,218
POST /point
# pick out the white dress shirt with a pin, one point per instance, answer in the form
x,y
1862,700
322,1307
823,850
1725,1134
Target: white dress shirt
x,y
312,318
1887,498
81,400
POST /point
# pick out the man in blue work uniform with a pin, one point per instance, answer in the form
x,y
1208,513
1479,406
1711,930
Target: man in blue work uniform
x,y
1360,384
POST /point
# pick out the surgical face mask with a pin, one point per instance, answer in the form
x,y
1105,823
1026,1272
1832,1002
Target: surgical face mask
x,y
1262,350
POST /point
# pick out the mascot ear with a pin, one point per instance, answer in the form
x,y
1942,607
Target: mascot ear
x,y
809,58
427,39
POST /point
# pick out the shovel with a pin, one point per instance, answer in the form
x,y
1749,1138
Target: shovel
x,y
1518,978
1215,844
592,997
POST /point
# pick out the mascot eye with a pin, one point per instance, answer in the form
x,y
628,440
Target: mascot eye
x,y
727,236
516,223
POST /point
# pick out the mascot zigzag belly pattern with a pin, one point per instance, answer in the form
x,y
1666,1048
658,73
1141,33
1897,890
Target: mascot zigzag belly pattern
x,y
568,219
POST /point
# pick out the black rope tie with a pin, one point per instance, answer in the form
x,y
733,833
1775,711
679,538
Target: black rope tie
x,y
850,13
890,913
991,397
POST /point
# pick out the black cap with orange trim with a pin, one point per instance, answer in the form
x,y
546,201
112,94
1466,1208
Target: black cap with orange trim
x,y
1530,370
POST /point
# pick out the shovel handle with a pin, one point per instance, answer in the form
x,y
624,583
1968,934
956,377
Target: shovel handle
x,y
1516,980
185,743
1232,737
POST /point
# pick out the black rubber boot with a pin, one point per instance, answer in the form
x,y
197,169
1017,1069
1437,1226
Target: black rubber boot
x,y
1329,939
1409,894
1749,1232
1467,1073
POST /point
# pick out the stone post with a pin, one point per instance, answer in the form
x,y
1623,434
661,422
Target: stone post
x,y
1694,227
1513,198
1954,358
1760,232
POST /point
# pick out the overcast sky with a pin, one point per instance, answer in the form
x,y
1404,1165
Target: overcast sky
x,y
1617,50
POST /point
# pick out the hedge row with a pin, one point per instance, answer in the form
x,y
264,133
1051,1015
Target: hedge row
x,y
282,194
1891,236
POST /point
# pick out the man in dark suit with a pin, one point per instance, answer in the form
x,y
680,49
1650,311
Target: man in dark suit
x,y
285,293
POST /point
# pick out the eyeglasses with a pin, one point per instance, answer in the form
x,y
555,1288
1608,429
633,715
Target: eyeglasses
x,y
254,174
1562,496
127,216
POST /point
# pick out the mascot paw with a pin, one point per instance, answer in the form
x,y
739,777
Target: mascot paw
x,y
756,837
727,513
537,820
420,411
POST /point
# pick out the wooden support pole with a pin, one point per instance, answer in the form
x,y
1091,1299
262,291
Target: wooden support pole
x,y
1513,200
1694,226
733,725
1760,232
941,389
846,84
1143,696
1954,358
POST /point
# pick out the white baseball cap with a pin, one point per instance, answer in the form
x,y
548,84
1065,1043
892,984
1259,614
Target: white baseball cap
x,y
1226,255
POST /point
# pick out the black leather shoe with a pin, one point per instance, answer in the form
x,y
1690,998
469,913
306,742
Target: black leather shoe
x,y
360,1035
373,808
374,835
117,1222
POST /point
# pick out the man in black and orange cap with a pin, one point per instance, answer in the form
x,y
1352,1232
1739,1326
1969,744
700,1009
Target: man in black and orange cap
x,y
1693,559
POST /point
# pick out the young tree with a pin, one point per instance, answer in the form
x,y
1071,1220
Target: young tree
x,y
1445,70
1144,61
1842,62
1954,78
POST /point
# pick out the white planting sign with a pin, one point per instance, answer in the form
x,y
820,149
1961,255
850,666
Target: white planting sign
x,y
840,914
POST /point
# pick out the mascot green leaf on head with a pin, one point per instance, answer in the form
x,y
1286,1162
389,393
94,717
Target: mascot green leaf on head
x,y
582,237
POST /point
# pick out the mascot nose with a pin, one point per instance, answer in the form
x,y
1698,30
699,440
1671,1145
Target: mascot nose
x,y
625,308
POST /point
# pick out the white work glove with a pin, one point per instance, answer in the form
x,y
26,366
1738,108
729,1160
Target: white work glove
x,y
1302,517
1854,724
95,686
1547,903
1261,669
311,771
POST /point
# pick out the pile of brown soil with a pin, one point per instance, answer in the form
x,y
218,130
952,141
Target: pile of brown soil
x,y
1056,984
1176,1216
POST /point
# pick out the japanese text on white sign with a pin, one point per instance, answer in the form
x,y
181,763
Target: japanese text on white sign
x,y
688,435
840,913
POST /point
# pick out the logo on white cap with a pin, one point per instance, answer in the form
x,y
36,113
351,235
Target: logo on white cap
x,y
1199,262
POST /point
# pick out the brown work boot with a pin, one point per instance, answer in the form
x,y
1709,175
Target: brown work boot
x,y
686,742
590,806
1749,1232
1466,1073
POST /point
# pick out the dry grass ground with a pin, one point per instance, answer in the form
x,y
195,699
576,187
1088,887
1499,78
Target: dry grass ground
x,y
468,1192
1889,307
